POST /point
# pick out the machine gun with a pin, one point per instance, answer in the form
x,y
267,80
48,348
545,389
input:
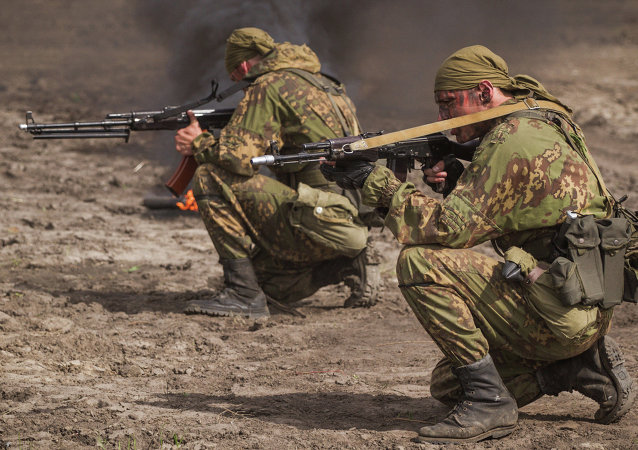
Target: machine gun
x,y
120,125
401,156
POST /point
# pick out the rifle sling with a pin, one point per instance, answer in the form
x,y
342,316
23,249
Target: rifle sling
x,y
238,86
456,122
570,140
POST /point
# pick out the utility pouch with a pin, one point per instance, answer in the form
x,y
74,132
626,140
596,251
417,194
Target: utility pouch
x,y
565,279
630,293
328,219
615,234
583,240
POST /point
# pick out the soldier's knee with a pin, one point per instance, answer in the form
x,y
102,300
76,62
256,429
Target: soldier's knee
x,y
204,183
407,257
413,263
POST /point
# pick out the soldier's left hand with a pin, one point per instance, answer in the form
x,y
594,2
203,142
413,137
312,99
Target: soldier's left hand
x,y
349,174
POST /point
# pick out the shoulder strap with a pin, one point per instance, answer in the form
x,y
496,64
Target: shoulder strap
x,y
238,86
332,88
558,120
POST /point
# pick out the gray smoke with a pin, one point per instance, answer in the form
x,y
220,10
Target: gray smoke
x,y
197,30
386,52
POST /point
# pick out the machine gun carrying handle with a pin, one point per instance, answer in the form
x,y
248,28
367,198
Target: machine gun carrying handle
x,y
176,110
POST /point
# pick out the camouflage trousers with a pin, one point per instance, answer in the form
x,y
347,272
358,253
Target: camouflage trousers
x,y
469,309
293,237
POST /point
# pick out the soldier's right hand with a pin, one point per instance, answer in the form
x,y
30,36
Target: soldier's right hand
x,y
184,137
435,174
442,176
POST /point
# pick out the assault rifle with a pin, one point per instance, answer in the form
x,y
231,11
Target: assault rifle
x,y
120,125
400,157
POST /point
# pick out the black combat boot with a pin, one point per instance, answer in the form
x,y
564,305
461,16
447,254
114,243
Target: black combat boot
x,y
598,373
363,278
486,408
241,296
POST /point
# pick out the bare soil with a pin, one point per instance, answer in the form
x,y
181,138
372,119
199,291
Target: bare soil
x,y
94,348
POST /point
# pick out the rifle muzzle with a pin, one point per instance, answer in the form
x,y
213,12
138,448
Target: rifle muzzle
x,y
265,160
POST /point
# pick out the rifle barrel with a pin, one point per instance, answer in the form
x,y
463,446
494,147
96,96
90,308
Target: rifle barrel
x,y
270,160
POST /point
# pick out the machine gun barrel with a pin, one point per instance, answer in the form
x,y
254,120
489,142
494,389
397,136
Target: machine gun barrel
x,y
120,125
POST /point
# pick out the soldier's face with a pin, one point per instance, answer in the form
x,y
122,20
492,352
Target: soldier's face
x,y
240,71
459,103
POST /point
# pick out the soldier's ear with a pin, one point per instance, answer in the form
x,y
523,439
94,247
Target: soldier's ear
x,y
486,89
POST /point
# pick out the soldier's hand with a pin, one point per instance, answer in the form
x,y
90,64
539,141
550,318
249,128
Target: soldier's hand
x,y
442,176
349,174
435,174
184,137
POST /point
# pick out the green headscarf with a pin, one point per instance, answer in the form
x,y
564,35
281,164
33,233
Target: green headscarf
x,y
246,43
467,67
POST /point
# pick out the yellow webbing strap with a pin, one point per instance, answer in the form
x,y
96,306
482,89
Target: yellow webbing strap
x,y
437,127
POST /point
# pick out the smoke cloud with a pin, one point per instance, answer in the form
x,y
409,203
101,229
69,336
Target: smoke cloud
x,y
385,52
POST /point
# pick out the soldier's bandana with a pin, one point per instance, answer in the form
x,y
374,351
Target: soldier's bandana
x,y
244,44
467,67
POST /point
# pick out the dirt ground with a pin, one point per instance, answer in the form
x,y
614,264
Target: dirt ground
x,y
94,348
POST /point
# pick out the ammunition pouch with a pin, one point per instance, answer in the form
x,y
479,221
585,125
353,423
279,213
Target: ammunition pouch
x,y
592,271
630,291
593,262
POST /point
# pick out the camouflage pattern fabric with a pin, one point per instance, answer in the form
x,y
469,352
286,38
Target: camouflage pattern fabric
x,y
469,309
248,214
523,179
279,106
287,235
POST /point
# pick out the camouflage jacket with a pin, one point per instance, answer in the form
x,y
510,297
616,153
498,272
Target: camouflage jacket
x,y
281,106
523,179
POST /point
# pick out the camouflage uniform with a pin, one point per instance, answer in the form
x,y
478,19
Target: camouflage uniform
x,y
523,179
288,226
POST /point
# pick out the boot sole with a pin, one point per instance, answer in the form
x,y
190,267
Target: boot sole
x,y
196,309
491,434
613,362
